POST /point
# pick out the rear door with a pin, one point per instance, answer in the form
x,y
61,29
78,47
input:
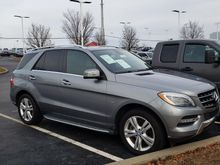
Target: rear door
x,y
193,62
46,79
168,56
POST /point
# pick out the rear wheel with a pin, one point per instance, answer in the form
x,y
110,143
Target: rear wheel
x,y
28,110
141,132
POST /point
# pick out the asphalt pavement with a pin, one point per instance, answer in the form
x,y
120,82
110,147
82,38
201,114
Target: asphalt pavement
x,y
23,145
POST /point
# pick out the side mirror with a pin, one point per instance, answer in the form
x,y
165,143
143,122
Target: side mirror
x,y
209,56
91,74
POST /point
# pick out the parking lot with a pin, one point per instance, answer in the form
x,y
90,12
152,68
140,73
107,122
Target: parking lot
x,y
56,143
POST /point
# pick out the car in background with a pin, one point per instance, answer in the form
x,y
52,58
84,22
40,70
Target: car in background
x,y
5,52
0,50
145,56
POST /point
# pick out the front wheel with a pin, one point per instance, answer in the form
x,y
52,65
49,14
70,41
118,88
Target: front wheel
x,y
28,110
141,132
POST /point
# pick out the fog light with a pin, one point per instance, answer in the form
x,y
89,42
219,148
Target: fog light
x,y
189,119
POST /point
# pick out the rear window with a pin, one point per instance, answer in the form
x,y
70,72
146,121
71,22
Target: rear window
x,y
25,60
169,53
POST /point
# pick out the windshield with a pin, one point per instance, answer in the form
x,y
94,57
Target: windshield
x,y
120,61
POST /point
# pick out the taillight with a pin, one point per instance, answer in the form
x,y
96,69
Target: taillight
x,y
12,81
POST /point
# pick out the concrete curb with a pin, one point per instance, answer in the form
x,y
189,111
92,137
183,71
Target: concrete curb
x,y
144,159
6,70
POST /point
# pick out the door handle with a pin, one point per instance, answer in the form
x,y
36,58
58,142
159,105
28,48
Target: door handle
x,y
187,69
66,82
32,77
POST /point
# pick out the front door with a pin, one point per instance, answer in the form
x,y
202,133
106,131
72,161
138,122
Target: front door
x,y
84,99
193,62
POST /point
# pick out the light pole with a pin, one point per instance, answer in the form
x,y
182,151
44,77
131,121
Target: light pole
x,y
102,22
22,27
81,17
179,12
218,30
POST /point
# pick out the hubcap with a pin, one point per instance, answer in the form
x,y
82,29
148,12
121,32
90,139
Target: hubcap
x,y
139,133
26,109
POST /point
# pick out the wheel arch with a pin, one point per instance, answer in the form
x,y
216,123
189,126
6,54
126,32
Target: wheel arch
x,y
128,107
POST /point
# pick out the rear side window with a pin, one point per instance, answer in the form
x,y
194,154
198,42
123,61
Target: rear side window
x,y
51,61
25,60
169,53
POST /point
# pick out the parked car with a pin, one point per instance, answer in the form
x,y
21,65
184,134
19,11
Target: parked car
x,y
198,57
5,52
111,90
145,56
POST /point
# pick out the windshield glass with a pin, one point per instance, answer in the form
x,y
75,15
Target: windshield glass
x,y
120,61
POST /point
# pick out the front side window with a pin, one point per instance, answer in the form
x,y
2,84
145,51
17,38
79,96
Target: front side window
x,y
78,62
169,53
51,61
120,61
196,53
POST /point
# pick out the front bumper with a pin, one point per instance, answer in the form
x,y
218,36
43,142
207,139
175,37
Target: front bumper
x,y
171,117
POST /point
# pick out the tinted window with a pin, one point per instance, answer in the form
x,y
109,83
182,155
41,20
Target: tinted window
x,y
25,60
51,61
169,53
194,53
78,62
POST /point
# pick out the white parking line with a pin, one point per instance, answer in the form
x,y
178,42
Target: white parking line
x,y
66,139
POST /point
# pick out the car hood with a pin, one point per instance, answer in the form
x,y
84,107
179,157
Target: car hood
x,y
166,80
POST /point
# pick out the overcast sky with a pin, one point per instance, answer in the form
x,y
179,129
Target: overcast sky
x,y
155,15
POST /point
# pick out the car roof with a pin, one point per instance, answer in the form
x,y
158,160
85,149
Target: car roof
x,y
186,40
72,47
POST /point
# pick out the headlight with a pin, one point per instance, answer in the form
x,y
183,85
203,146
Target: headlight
x,y
177,99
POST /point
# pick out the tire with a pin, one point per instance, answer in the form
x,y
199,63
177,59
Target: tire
x,y
149,138
28,110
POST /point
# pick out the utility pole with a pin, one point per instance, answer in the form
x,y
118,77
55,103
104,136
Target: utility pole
x,y
102,22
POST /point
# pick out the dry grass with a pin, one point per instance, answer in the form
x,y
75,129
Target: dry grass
x,y
2,70
209,155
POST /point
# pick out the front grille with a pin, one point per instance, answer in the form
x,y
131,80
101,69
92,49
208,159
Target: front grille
x,y
209,99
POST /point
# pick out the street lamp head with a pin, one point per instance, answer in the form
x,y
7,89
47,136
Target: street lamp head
x,y
183,12
18,16
75,1
88,2
26,17
176,11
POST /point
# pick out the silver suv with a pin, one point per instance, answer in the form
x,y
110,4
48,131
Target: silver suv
x,y
112,91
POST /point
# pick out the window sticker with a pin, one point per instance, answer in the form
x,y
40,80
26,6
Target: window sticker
x,y
124,64
108,59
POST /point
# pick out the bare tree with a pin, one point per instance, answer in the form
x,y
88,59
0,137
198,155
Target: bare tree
x,y
129,38
38,36
192,30
99,38
71,26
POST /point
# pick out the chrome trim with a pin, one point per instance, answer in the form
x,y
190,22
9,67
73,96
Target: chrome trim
x,y
204,125
58,73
